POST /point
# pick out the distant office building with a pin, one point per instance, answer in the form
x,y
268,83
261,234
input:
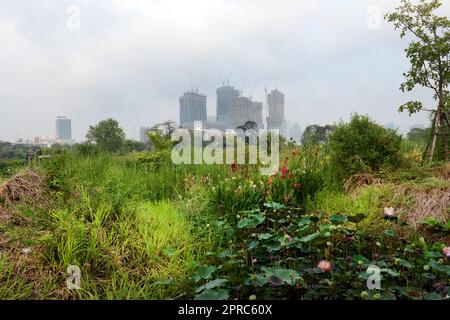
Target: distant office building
x,y
242,110
143,134
224,97
192,108
63,129
275,117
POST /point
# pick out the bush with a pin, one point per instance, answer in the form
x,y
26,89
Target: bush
x,y
364,146
154,160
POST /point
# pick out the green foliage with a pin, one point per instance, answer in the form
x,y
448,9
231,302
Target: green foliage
x,y
154,160
316,134
419,136
428,53
285,253
363,145
159,141
140,227
107,135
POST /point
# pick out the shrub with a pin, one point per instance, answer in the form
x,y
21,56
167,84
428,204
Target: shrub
x,y
154,160
363,145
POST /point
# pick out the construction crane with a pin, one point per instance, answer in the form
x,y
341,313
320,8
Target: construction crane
x,y
225,82
202,82
221,78
266,98
243,84
254,88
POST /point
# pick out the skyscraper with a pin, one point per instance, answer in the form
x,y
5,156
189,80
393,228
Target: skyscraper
x,y
224,96
63,129
242,110
275,117
192,108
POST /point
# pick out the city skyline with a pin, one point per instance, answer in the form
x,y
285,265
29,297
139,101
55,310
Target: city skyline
x,y
267,108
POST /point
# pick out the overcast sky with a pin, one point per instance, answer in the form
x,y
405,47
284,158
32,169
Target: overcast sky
x,y
133,59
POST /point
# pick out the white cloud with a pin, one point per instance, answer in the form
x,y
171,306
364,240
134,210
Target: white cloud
x,y
131,59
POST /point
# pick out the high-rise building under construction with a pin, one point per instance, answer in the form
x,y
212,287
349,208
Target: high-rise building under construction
x,y
224,96
192,108
275,105
243,110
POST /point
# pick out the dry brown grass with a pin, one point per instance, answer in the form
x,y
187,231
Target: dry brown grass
x,y
4,215
27,187
425,203
442,171
360,180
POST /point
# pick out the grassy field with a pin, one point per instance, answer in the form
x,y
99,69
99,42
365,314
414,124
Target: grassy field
x,y
160,231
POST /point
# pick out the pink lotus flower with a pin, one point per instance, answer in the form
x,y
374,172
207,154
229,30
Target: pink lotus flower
x,y
446,252
325,266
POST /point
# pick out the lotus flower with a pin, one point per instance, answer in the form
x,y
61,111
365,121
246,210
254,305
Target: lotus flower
x,y
446,252
325,265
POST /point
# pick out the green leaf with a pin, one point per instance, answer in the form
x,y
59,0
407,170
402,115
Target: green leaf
x,y
274,206
264,236
433,296
252,221
212,285
287,276
391,272
304,222
310,237
216,294
203,272
252,245
432,254
256,281
273,245
439,267
338,219
389,233
405,264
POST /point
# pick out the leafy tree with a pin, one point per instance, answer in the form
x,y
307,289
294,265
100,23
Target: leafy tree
x,y
419,136
159,141
132,145
428,54
363,145
107,134
316,134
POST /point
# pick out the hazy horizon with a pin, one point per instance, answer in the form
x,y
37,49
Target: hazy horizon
x,y
132,60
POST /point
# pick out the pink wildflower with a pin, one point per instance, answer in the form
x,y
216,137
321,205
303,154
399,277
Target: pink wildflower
x,y
446,252
325,265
